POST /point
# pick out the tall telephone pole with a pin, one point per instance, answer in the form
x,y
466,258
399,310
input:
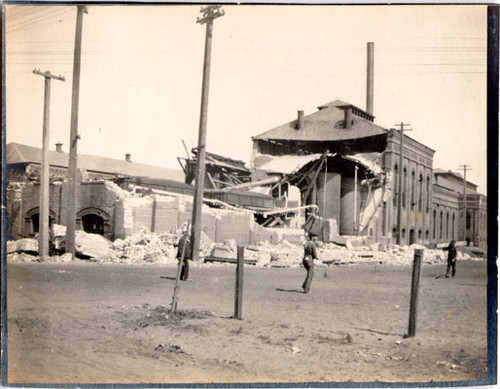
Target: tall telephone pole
x,y
465,168
400,178
209,13
73,138
43,216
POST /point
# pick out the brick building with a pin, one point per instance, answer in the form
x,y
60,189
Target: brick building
x,y
96,204
348,167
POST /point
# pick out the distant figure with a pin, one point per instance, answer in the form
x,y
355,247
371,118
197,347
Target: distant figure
x,y
184,243
452,259
308,261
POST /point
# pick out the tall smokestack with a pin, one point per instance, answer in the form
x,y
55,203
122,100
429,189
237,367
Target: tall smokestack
x,y
369,77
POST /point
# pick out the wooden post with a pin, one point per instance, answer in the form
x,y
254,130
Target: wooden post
x,y
173,308
417,262
43,215
74,136
209,14
238,295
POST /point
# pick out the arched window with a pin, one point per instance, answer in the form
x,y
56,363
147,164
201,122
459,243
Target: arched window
x,y
447,225
428,192
427,235
441,225
453,234
434,224
403,195
413,190
396,186
420,192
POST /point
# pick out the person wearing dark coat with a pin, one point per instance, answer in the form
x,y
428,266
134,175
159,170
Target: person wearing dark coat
x,y
184,244
308,261
452,259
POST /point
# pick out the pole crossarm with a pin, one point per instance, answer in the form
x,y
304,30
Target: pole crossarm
x,y
48,74
210,13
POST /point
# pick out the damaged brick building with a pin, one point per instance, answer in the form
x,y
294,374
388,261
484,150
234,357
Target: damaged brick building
x,y
348,166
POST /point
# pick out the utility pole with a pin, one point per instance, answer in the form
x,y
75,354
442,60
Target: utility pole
x,y
465,168
355,221
74,137
209,13
43,216
400,178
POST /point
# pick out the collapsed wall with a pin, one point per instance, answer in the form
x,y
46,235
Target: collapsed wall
x,y
164,212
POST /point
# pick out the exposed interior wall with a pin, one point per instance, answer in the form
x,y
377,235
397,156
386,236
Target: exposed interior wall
x,y
349,210
328,196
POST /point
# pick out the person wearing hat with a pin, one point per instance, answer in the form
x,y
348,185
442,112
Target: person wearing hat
x,y
184,245
308,261
452,259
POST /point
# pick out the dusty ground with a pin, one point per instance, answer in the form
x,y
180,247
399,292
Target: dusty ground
x,y
87,323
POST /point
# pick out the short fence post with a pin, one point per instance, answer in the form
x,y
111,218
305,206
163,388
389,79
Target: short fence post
x,y
417,262
238,295
173,307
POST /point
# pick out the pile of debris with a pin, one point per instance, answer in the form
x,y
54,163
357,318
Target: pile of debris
x,y
147,247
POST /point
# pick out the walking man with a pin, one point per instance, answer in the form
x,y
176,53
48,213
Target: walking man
x,y
184,245
452,259
308,261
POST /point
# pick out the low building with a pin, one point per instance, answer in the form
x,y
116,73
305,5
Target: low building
x,y
95,203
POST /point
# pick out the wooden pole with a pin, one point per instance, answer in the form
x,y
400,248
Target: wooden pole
x,y
355,221
238,294
417,262
209,14
74,136
173,307
43,216
465,167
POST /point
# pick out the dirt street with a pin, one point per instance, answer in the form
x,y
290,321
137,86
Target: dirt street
x,y
83,322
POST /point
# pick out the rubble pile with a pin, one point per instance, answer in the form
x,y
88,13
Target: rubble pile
x,y
145,246
93,246
26,245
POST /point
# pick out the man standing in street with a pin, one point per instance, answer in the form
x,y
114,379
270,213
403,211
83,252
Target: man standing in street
x,y
309,256
184,254
452,259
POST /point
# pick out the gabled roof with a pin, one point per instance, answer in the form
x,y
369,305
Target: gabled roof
x,y
326,125
19,153
456,176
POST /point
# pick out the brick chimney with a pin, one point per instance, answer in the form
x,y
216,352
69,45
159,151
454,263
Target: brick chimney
x,y
348,117
300,120
59,147
127,157
369,77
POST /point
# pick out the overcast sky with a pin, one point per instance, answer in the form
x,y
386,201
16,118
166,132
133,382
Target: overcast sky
x,y
142,71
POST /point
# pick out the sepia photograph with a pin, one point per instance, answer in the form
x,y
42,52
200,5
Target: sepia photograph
x,y
249,195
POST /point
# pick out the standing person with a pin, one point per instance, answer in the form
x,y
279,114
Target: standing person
x,y
452,259
184,245
309,256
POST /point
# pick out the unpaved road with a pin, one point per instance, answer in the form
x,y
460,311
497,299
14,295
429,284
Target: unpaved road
x,y
87,323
